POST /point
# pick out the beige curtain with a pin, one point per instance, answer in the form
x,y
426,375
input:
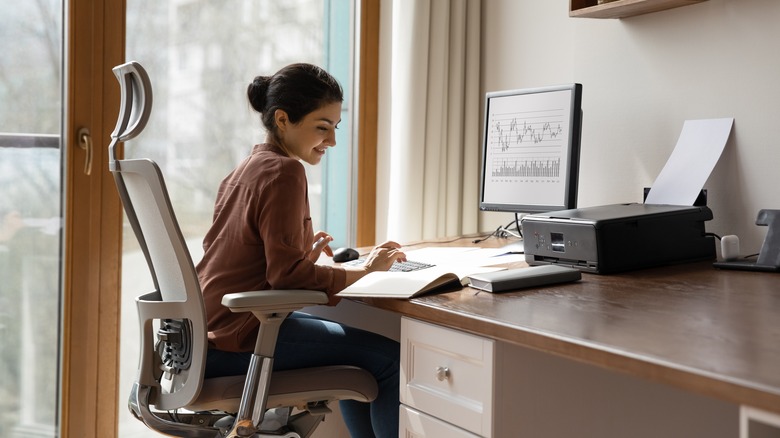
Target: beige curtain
x,y
434,119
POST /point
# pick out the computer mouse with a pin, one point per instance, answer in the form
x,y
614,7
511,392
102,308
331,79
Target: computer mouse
x,y
341,255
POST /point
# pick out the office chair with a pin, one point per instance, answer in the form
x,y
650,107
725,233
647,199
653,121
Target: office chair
x,y
170,394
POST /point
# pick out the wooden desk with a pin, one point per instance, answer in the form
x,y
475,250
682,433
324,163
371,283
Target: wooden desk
x,y
712,332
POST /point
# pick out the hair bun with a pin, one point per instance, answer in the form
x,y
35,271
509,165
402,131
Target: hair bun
x,y
257,91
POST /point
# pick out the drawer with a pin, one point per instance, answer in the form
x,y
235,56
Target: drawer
x,y
755,423
448,374
415,424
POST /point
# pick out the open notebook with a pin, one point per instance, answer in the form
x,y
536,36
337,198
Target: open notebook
x,y
410,284
452,267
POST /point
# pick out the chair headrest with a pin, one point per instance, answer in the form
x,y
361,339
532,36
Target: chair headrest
x,y
135,105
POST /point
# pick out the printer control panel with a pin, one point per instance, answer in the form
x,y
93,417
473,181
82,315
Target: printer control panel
x,y
557,242
572,243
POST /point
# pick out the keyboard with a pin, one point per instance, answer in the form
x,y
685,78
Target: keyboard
x,y
407,266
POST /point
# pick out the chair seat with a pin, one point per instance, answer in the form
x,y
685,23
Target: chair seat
x,y
291,388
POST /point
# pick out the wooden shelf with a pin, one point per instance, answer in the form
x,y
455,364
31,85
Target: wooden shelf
x,y
622,8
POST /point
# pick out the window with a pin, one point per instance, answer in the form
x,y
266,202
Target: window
x,y
200,56
30,216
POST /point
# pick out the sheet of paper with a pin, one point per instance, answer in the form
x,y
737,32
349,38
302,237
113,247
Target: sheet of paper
x,y
462,256
438,255
697,151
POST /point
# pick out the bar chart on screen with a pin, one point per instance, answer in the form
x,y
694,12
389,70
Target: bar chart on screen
x,y
535,167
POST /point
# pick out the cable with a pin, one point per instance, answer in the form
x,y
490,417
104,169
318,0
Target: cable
x,y
517,225
494,233
503,231
425,242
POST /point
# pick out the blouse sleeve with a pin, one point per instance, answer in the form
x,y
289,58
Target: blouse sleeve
x,y
284,224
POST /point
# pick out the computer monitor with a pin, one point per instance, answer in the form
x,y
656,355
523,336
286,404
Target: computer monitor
x,y
531,149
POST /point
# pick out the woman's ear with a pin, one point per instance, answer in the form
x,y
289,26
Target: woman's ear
x,y
281,119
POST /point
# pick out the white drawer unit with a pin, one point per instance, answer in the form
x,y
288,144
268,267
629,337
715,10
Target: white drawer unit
x,y
415,424
755,423
448,375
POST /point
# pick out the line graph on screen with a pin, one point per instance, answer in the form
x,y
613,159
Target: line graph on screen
x,y
527,144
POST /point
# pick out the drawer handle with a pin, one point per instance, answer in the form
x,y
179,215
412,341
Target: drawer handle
x,y
442,374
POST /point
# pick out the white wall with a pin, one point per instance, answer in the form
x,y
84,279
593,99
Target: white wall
x,y
642,77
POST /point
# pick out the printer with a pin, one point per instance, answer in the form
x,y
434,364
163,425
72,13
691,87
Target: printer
x,y
620,237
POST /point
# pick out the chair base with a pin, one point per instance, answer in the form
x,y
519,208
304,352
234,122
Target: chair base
x,y
216,424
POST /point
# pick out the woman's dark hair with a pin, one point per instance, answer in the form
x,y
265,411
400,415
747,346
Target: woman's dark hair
x,y
297,89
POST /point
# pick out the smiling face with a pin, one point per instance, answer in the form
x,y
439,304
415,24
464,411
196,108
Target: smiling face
x,y
308,139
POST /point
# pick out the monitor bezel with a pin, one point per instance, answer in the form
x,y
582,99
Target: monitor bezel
x,y
573,145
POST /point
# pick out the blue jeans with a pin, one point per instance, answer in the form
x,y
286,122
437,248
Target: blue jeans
x,y
308,341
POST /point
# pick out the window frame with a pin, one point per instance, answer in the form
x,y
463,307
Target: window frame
x,y
94,44
367,110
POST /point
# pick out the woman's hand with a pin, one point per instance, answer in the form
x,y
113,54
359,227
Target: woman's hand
x,y
383,256
380,259
321,241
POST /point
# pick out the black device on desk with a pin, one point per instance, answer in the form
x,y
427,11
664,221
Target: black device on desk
x,y
620,237
341,255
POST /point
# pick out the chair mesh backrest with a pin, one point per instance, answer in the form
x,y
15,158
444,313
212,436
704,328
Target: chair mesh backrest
x,y
177,374
167,254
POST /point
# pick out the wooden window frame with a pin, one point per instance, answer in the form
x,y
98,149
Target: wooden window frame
x,y
368,99
95,40
90,395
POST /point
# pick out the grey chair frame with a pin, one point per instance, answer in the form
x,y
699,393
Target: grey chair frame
x,y
170,394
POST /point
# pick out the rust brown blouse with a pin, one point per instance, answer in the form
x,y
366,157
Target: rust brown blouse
x,y
260,238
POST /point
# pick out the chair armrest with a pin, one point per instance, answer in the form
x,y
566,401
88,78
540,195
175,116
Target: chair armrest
x,y
272,301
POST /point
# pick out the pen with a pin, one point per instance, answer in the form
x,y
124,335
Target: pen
x,y
320,240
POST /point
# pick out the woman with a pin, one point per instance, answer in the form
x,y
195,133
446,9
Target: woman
x,y
262,238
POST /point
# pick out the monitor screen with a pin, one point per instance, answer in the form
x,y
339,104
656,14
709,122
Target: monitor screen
x,y
530,149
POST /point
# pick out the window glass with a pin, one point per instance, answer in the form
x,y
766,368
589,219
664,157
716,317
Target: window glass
x,y
30,215
201,56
